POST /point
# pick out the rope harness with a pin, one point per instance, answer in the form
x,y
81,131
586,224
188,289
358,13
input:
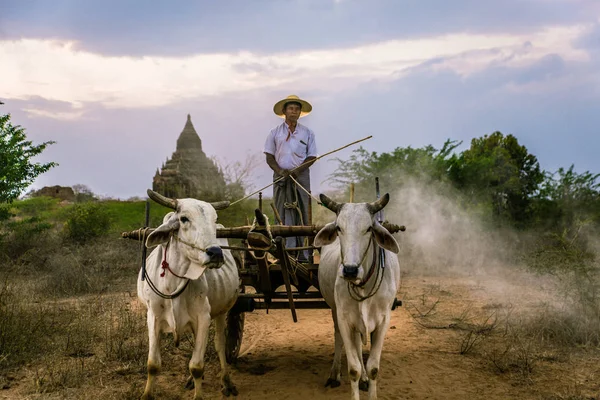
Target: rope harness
x,y
377,267
253,249
165,267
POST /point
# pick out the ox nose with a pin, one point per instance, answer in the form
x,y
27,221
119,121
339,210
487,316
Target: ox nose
x,y
350,271
215,254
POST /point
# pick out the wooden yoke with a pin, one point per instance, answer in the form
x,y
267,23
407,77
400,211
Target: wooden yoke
x,y
241,232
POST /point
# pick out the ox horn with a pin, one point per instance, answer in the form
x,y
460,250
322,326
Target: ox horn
x,y
330,204
220,205
162,200
376,206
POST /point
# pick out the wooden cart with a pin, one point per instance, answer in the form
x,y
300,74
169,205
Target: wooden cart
x,y
270,278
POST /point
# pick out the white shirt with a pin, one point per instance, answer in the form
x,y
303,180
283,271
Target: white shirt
x,y
291,148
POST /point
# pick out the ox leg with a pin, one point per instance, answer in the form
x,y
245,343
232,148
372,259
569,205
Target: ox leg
x,y
375,356
363,384
153,354
335,375
197,361
227,386
349,336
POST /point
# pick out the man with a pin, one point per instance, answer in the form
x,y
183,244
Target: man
x,y
288,146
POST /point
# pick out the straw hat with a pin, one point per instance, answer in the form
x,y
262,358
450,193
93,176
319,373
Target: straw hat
x,y
306,107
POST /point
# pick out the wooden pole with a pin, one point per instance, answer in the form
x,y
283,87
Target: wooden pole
x,y
306,162
146,224
352,192
241,232
277,216
285,273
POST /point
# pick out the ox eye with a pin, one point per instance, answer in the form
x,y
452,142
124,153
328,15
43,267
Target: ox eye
x,y
184,220
337,228
369,229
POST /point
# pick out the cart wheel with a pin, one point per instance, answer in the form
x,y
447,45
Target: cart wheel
x,y
234,331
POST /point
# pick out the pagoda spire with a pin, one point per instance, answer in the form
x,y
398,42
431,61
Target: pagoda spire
x,y
188,137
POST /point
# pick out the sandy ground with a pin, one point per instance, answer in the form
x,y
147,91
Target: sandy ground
x,y
281,359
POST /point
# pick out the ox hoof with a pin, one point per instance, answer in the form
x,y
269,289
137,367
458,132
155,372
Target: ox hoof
x,y
228,388
230,391
364,386
147,396
189,385
332,382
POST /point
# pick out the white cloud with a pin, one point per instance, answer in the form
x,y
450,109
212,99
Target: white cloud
x,y
58,70
522,53
61,115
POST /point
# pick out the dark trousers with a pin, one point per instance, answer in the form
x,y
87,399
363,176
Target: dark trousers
x,y
291,203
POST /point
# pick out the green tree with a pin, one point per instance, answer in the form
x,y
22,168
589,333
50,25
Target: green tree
x,y
83,193
17,171
427,164
500,170
567,198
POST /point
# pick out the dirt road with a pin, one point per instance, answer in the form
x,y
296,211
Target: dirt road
x,y
421,357
281,359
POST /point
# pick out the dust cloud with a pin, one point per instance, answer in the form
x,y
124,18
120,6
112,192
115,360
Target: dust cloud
x,y
445,239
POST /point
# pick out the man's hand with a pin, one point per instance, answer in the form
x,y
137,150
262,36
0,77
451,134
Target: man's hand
x,y
284,172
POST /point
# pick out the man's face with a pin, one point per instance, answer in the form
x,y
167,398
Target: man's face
x,y
292,111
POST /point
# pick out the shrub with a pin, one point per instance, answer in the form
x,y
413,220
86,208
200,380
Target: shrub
x,y
22,236
86,221
570,256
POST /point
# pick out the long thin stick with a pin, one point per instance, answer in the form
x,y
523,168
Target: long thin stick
x,y
306,162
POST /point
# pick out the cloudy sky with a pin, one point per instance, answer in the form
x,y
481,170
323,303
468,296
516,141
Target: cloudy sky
x,y
113,81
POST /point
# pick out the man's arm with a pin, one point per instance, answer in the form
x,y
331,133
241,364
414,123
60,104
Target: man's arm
x,y
275,167
305,165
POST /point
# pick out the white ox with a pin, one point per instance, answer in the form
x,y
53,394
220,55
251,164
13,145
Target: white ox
x,y
187,241
359,285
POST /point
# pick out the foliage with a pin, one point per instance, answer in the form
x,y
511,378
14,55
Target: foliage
x,y
571,256
496,178
17,171
238,175
25,227
83,193
498,168
566,197
86,221
427,163
22,236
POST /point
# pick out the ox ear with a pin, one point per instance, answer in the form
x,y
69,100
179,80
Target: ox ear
x,y
326,235
161,234
385,239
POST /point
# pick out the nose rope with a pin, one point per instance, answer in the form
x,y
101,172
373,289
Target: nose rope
x,y
153,287
165,265
377,262
193,246
364,255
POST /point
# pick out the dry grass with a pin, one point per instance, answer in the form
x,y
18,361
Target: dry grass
x,y
76,322
508,341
